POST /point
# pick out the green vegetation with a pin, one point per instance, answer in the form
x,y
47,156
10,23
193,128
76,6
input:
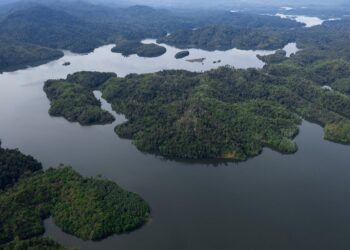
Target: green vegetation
x,y
14,165
222,113
88,79
37,243
229,113
128,48
220,37
81,27
15,56
76,102
338,132
278,57
88,208
182,54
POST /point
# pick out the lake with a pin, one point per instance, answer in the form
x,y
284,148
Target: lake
x,y
272,201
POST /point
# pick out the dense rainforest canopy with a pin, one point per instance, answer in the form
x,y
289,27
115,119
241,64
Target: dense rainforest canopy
x,y
14,165
74,101
88,208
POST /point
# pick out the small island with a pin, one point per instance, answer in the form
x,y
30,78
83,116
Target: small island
x,y
89,208
196,60
131,47
182,54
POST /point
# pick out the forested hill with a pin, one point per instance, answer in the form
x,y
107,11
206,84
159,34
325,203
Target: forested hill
x,y
20,55
43,26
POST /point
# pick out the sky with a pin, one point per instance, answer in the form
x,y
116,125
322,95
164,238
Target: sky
x,y
230,2
213,3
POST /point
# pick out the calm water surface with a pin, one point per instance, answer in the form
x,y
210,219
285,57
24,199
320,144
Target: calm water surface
x,y
273,201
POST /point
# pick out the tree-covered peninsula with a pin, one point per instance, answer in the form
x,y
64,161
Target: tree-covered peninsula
x,y
74,100
15,56
88,208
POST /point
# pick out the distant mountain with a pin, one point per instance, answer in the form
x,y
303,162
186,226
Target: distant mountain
x,y
47,27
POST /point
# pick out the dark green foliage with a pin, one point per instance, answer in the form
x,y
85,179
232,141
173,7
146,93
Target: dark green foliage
x,y
189,115
81,27
150,50
223,113
15,55
75,102
13,165
88,79
88,208
38,243
278,57
53,28
327,72
78,27
221,37
128,48
182,54
338,132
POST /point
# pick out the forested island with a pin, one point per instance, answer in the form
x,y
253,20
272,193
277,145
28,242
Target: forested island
x,y
127,48
182,54
89,208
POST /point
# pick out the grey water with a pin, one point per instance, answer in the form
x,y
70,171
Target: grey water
x,y
272,201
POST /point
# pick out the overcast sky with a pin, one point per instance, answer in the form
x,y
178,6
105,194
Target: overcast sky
x,y
229,2
211,3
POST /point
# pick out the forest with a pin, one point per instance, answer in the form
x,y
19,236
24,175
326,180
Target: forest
x,y
221,37
182,54
15,56
229,113
127,48
14,165
89,208
222,112
82,27
76,103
